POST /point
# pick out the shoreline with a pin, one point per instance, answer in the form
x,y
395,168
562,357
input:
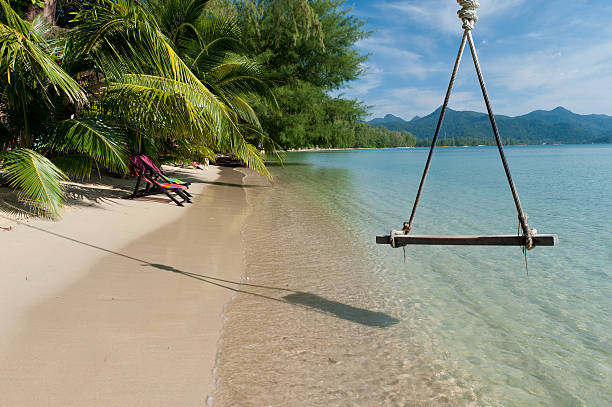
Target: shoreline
x,y
297,150
315,149
128,308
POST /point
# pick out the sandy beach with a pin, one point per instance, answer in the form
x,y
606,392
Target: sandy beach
x,y
120,303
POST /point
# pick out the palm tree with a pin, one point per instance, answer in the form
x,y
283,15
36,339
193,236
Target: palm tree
x,y
212,48
141,84
30,78
181,82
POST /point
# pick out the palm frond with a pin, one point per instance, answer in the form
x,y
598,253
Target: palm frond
x,y
250,155
243,110
160,106
77,165
209,42
220,34
238,75
24,58
54,42
157,58
177,17
184,152
38,180
235,144
124,38
94,138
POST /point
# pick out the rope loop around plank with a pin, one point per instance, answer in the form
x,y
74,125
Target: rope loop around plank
x,y
530,233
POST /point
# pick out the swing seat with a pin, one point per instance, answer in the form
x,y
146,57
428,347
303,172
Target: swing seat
x,y
402,239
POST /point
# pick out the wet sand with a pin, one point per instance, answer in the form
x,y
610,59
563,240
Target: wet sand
x,y
136,325
315,324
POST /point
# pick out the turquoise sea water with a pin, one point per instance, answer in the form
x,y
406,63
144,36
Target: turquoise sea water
x,y
452,325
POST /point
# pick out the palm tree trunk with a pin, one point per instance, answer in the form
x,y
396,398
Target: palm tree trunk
x,y
27,139
48,11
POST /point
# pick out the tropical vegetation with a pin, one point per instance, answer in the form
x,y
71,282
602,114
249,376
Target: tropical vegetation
x,y
87,83
308,50
163,77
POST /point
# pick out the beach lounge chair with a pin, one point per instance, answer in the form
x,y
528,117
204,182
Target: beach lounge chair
x,y
158,173
155,169
153,183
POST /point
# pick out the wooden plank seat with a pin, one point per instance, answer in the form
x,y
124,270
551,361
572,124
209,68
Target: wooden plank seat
x,y
484,240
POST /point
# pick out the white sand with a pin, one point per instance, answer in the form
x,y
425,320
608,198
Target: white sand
x,y
95,309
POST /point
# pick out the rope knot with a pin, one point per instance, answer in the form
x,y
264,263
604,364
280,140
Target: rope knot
x,y
468,13
527,231
392,240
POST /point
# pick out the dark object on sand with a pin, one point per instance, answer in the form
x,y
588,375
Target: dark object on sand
x,y
227,161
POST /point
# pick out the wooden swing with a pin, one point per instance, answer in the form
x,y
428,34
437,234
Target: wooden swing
x,y
529,239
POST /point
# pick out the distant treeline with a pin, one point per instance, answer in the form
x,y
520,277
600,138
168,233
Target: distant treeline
x,y
367,136
465,141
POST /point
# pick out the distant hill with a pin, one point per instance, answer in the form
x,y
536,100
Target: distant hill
x,y
389,118
540,126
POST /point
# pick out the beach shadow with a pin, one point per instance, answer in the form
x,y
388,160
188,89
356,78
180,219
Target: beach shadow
x,y
308,300
347,312
86,192
229,184
77,195
97,190
305,300
81,192
186,176
286,164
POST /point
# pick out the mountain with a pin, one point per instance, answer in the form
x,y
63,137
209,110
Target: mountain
x,y
540,126
389,118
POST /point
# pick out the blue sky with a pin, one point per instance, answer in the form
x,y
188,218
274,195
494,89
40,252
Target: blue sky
x,y
535,54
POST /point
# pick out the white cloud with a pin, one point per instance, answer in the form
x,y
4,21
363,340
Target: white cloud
x,y
400,61
435,13
578,79
411,101
371,79
535,55
442,14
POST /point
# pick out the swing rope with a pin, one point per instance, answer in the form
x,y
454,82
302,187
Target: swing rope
x,y
468,15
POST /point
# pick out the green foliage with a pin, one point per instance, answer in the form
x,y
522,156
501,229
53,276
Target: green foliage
x,y
92,138
324,121
172,70
36,178
311,41
31,79
307,46
27,65
161,77
367,136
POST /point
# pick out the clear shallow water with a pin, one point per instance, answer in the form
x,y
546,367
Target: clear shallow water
x,y
330,318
